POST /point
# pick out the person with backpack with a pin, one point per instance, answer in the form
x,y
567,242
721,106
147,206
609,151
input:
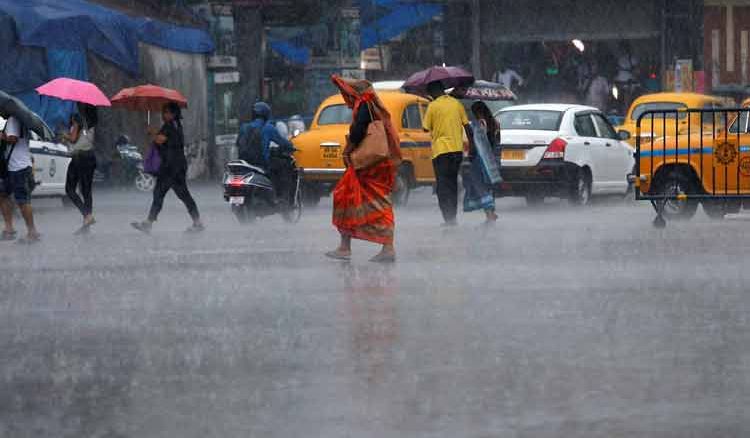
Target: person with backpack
x,y
83,163
172,172
254,146
16,180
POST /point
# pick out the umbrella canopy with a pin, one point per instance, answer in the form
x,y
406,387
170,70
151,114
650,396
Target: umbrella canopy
x,y
75,90
10,106
484,90
450,77
147,98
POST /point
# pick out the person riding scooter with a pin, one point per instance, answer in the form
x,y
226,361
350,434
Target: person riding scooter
x,y
254,147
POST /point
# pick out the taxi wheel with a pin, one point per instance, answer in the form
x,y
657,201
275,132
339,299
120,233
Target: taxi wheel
x,y
677,183
717,209
311,194
402,188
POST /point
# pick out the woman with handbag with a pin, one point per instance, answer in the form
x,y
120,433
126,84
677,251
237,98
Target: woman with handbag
x,y
362,207
480,169
80,139
169,142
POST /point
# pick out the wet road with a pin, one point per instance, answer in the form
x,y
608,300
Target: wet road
x,y
556,323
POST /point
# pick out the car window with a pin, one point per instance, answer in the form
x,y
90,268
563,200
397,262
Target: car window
x,y
537,120
604,127
659,106
335,115
584,125
412,119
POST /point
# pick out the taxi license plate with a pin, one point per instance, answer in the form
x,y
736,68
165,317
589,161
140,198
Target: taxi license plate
x,y
330,152
236,200
511,154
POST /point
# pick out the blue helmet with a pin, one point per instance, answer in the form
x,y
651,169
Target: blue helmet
x,y
261,110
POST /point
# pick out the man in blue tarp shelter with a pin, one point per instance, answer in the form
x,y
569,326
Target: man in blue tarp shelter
x,y
46,39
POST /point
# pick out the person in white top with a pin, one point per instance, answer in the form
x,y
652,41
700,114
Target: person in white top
x,y
597,94
506,77
627,65
17,181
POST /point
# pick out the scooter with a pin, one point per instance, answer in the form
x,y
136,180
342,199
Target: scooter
x,y
131,168
251,194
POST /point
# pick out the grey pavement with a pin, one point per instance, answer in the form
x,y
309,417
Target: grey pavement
x,y
558,322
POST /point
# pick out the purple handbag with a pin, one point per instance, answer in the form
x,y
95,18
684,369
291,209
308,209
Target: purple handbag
x,y
152,162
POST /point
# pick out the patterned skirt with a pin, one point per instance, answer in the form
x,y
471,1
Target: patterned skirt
x,y
362,207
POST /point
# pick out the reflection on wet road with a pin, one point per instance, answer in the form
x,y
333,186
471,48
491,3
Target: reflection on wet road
x,y
558,322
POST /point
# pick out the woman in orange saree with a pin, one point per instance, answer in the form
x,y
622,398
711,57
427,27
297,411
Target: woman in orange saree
x,y
362,207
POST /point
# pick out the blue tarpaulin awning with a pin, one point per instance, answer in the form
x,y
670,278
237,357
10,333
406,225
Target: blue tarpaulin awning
x,y
381,21
68,30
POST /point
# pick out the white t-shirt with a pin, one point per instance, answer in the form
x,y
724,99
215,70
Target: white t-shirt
x,y
21,157
507,77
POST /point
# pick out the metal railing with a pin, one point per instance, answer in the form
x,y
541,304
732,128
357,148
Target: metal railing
x,y
689,156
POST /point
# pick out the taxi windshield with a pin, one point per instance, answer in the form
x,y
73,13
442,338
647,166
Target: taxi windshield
x,y
660,106
335,115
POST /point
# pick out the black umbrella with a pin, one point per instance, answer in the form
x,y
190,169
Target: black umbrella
x,y
11,106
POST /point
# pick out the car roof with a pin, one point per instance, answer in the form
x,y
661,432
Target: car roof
x,y
385,96
562,107
685,97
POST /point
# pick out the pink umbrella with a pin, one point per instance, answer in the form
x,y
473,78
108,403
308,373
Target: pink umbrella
x,y
75,90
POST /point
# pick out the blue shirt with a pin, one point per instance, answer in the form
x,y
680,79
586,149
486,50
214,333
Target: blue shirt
x,y
269,134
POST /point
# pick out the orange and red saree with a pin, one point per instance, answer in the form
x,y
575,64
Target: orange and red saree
x,y
362,207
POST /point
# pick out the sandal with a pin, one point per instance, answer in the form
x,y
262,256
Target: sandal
x,y
143,227
384,258
29,240
7,236
336,255
194,229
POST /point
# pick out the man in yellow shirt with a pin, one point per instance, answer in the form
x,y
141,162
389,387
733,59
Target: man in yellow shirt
x,y
446,121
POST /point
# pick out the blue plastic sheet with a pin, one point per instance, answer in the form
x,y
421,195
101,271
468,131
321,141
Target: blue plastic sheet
x,y
79,24
67,30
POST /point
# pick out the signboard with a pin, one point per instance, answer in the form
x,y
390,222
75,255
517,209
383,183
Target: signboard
x,y
231,77
226,139
222,62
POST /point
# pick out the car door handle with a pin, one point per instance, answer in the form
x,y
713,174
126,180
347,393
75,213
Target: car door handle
x,y
586,143
608,145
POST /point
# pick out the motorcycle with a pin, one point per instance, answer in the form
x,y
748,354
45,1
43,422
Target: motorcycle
x,y
251,194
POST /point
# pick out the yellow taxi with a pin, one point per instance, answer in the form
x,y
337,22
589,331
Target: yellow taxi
x,y
712,168
320,147
673,123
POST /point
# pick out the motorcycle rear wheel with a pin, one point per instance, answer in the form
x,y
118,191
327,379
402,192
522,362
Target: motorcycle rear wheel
x,y
294,213
145,182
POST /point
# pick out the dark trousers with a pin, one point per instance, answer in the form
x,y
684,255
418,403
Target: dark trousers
x,y
175,180
447,167
81,173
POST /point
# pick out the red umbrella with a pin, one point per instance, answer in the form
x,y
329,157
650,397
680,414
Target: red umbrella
x,y
147,98
74,90
450,77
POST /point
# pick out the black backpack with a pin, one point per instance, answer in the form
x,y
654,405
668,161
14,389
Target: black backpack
x,y
250,145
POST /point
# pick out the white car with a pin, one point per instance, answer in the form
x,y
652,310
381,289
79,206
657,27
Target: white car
x,y
561,150
51,162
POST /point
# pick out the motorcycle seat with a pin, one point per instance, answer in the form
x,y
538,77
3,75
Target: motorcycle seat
x,y
245,165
